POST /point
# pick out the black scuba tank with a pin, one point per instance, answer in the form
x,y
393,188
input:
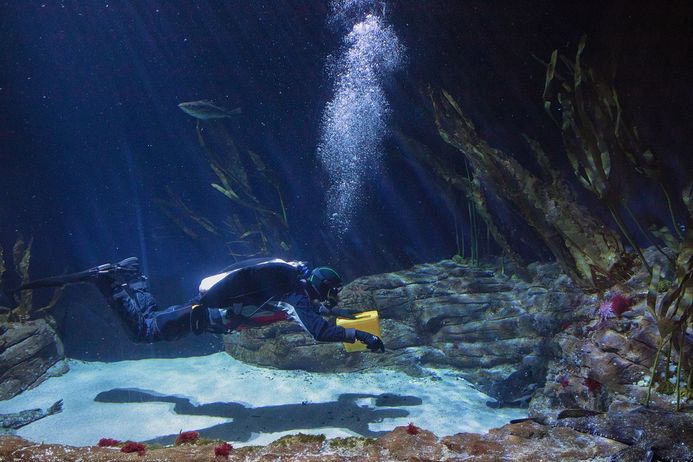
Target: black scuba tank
x,y
251,282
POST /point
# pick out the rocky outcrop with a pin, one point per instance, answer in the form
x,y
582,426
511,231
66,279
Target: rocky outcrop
x,y
30,352
603,362
486,324
526,441
650,434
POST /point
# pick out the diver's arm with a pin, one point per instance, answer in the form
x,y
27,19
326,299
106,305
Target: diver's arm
x,y
315,325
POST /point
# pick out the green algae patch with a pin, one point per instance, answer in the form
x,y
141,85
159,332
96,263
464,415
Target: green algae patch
x,y
351,442
299,438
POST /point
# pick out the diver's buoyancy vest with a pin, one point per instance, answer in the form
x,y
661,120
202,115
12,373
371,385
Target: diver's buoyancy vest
x,y
251,282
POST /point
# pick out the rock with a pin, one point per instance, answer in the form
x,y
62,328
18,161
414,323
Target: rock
x,y
664,434
526,441
11,422
441,315
530,441
30,352
604,364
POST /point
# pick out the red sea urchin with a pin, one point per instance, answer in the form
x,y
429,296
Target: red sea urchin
x,y
614,306
412,429
108,442
592,385
132,446
223,450
189,437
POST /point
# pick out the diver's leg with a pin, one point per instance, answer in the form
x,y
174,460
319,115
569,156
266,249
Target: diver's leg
x,y
137,307
133,303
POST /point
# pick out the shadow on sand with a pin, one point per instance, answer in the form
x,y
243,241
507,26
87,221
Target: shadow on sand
x,y
344,413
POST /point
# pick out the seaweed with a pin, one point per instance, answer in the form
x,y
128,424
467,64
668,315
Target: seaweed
x,y
299,438
351,442
587,251
252,226
471,185
599,141
673,314
24,308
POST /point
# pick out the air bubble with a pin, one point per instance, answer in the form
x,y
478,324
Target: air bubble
x,y
354,122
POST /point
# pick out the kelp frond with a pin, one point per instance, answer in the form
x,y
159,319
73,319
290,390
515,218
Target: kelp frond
x,y
673,315
599,141
589,252
252,227
21,260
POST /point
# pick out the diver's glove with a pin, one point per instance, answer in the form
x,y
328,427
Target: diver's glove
x,y
373,342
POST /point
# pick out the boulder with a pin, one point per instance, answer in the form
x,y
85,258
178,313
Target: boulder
x,y
604,363
30,352
445,314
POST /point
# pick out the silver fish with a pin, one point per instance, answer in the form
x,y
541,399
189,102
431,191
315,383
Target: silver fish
x,y
205,110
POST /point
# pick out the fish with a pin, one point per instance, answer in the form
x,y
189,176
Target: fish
x,y
205,110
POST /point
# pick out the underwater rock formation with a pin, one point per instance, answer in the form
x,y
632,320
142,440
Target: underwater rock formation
x,y
605,364
487,325
624,436
650,434
11,422
30,352
522,442
526,441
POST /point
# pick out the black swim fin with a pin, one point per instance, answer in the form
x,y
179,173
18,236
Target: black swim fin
x,y
55,281
130,266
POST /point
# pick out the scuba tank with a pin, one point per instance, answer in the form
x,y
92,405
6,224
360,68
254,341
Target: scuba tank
x,y
251,282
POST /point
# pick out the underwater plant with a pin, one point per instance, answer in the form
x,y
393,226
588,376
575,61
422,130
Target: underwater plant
x,y
587,251
599,141
252,228
470,184
673,314
24,309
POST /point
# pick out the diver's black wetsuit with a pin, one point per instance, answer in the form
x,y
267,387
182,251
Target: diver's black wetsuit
x,y
253,293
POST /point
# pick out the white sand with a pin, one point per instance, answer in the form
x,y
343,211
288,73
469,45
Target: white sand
x,y
450,405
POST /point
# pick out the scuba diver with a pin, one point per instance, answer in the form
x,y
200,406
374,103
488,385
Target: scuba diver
x,y
246,294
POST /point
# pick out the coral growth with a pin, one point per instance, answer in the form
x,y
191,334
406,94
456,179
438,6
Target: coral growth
x,y
223,450
189,437
132,446
412,429
108,442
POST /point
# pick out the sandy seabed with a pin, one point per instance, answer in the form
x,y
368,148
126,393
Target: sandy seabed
x,y
443,403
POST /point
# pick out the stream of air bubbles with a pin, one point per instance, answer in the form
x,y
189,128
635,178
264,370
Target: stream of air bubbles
x,y
354,121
